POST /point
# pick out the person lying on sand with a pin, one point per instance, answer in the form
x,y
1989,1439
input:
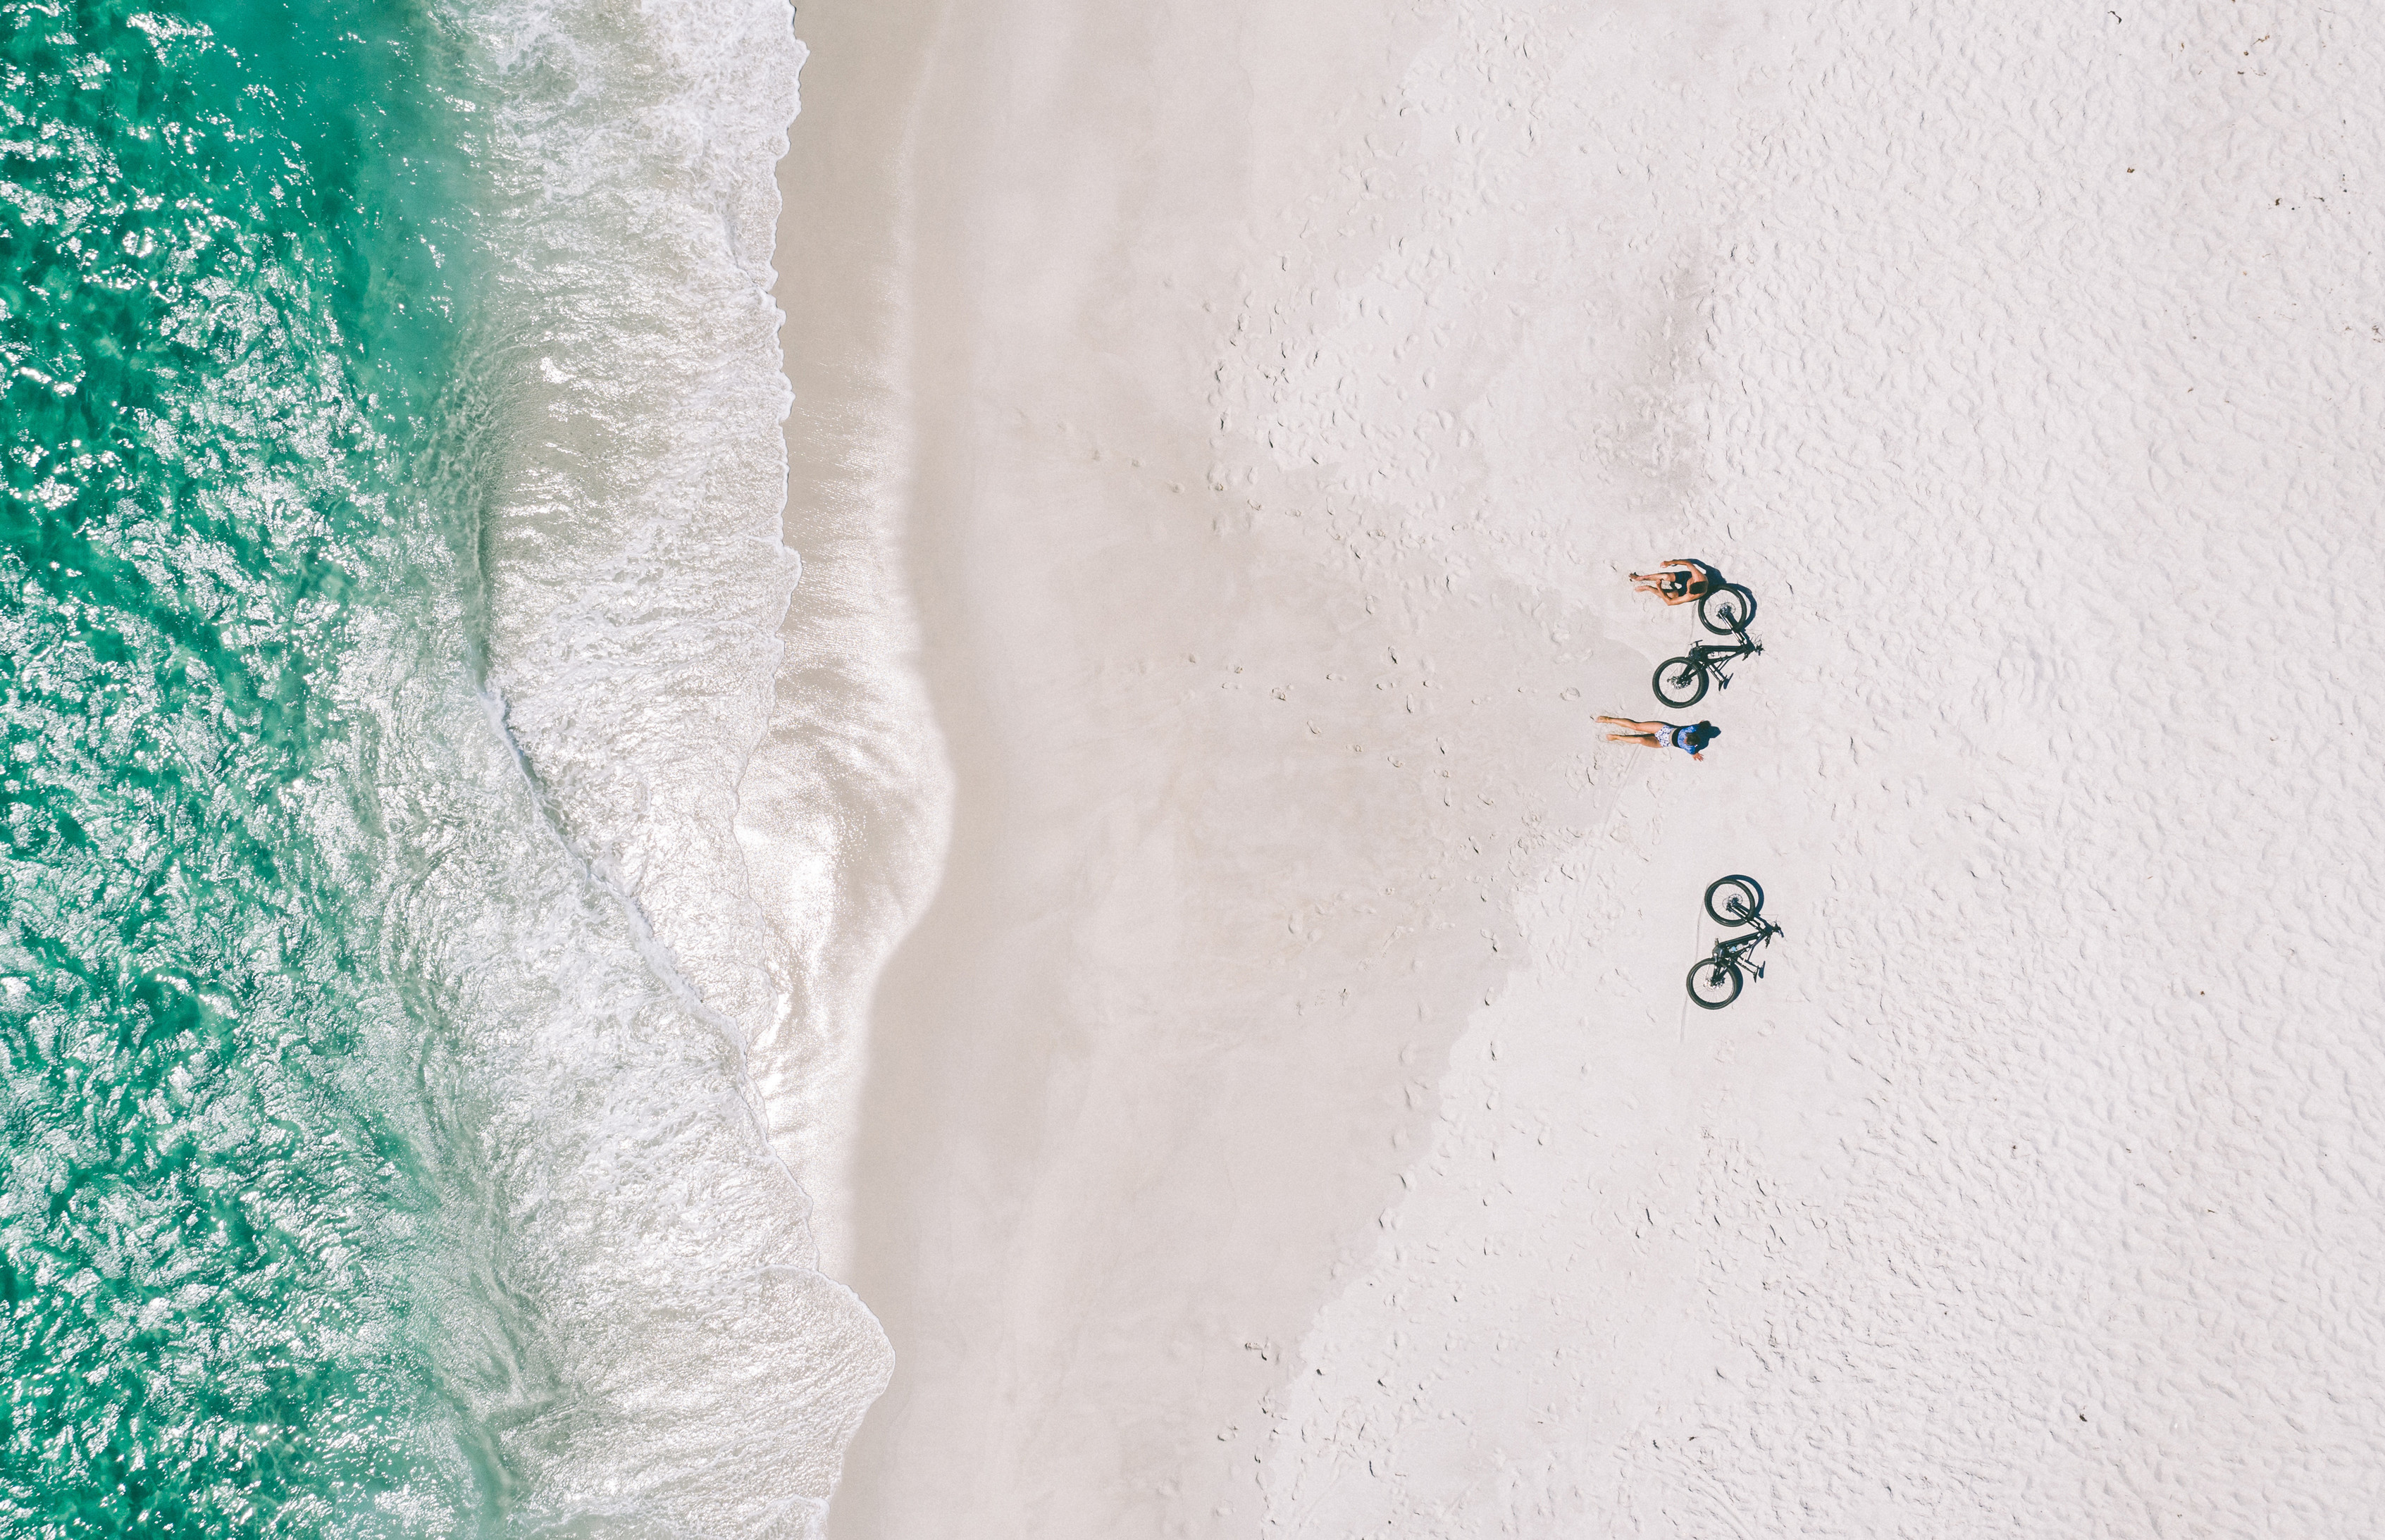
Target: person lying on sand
x,y
1691,740
1679,580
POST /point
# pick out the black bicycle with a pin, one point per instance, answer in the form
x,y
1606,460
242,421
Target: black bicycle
x,y
1716,980
1726,610
1683,681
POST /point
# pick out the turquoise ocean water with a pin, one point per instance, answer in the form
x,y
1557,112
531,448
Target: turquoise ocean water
x,y
370,1168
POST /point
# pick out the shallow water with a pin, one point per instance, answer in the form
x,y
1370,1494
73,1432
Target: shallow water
x,y
373,1162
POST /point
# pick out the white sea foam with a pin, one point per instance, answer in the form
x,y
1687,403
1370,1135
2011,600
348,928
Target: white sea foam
x,y
665,1357
637,578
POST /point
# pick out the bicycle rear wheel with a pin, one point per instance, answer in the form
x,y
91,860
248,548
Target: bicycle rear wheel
x,y
1726,610
1714,982
1734,899
1681,681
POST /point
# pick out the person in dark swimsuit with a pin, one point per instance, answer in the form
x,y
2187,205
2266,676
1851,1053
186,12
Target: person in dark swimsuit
x,y
1692,740
1681,581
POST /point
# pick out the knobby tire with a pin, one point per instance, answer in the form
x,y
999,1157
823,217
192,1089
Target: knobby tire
x,y
1734,899
1727,611
1690,682
1723,982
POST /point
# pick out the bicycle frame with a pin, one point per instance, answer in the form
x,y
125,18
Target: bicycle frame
x,y
1735,949
1710,657
1701,668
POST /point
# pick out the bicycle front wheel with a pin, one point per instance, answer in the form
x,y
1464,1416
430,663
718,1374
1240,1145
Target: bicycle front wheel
x,y
1714,983
1682,681
1734,899
1726,610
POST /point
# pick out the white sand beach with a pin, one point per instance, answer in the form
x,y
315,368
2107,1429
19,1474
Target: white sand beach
x,y
1221,434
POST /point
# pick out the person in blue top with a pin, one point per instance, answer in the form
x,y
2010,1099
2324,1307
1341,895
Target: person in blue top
x,y
1692,740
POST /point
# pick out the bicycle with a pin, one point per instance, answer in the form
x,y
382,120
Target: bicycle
x,y
1726,610
1683,681
1723,975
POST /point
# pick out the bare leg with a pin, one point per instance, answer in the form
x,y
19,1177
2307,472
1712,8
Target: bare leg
x,y
1648,730
1645,740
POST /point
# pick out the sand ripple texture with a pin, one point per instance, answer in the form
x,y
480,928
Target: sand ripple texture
x,y
2033,381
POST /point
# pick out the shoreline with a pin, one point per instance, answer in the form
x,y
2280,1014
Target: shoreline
x,y
844,810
